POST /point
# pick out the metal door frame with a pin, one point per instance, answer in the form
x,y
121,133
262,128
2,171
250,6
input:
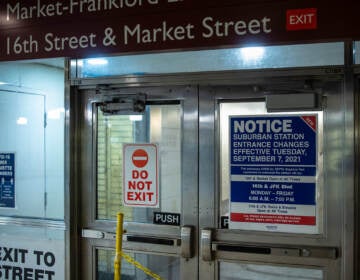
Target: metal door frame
x,y
207,141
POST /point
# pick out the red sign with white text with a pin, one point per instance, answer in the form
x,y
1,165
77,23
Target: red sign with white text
x,y
301,19
140,175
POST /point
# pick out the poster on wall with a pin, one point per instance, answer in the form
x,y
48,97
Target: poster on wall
x,y
273,171
7,180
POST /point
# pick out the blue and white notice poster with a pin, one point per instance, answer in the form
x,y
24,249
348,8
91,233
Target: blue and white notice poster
x,y
273,171
7,180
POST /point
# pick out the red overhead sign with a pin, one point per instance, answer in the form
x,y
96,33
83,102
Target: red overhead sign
x,y
301,19
79,28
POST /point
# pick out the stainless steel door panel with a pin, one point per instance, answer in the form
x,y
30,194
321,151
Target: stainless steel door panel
x,y
104,112
323,250
200,247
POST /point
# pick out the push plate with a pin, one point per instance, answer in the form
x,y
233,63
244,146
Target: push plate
x,y
312,252
97,234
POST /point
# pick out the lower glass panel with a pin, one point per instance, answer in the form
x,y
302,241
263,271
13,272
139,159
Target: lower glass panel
x,y
241,271
163,266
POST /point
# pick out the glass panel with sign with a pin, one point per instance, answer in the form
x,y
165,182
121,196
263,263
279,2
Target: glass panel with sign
x,y
22,154
159,124
274,181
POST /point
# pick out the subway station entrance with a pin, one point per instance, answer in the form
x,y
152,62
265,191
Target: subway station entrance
x,y
226,132
254,177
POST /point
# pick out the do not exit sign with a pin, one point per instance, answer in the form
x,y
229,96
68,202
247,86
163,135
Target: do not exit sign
x,y
140,175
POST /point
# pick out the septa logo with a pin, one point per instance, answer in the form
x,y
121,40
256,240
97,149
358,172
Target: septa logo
x,y
301,19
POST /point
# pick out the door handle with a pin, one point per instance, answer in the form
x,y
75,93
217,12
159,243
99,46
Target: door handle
x,y
208,247
304,252
98,234
186,241
205,245
187,244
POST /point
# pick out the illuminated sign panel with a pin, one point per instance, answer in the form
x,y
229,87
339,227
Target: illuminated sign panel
x,y
79,28
301,19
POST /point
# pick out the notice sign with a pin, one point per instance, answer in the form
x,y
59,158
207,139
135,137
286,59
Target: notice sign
x,y
7,180
273,162
140,175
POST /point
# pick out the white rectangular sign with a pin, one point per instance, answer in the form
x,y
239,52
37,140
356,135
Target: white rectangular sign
x,y
31,259
141,175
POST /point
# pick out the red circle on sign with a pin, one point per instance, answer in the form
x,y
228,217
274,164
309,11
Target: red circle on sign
x,y
140,158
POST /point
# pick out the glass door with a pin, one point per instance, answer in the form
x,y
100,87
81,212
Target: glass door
x,y
251,179
275,167
114,128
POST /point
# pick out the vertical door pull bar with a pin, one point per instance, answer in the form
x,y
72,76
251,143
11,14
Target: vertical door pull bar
x,y
206,250
187,243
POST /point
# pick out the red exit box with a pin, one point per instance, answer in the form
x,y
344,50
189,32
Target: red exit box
x,y
301,19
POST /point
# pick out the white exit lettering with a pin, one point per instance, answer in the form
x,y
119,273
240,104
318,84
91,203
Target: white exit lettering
x,y
302,19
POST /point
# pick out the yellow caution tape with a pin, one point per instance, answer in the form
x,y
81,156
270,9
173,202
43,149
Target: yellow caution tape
x,y
140,266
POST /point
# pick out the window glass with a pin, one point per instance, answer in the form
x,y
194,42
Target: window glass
x,y
229,271
163,266
357,52
32,113
161,125
22,154
212,60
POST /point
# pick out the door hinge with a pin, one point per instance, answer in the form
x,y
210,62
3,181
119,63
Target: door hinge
x,y
45,120
45,200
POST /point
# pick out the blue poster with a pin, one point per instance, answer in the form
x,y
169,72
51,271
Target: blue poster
x,y
273,165
7,180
